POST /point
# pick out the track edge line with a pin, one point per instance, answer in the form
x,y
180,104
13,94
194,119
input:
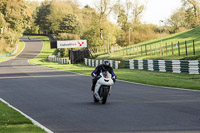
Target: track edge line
x,y
28,117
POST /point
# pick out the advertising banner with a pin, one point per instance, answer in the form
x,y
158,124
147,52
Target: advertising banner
x,y
72,44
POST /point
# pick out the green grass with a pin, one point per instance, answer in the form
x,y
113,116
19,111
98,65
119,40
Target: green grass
x,y
188,36
146,77
21,46
12,121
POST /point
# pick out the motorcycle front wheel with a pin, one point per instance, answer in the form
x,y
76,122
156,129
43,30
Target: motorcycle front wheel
x,y
104,94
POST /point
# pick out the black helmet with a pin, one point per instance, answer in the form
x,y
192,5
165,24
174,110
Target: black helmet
x,y
106,63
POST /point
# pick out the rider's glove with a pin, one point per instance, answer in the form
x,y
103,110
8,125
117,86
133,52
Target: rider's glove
x,y
114,80
98,77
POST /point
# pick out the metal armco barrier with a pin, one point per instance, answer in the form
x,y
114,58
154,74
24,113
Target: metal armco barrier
x,y
53,58
94,63
174,66
9,54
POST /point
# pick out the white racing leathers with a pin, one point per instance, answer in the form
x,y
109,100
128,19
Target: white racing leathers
x,y
105,80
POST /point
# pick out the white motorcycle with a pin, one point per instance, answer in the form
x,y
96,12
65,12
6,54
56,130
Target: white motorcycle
x,y
103,87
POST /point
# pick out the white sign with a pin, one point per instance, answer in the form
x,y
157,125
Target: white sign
x,y
72,44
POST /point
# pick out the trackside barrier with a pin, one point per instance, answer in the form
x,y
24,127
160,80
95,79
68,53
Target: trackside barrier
x,y
94,63
53,58
9,54
174,66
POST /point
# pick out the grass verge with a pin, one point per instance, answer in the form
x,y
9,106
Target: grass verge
x,y
140,76
21,47
12,121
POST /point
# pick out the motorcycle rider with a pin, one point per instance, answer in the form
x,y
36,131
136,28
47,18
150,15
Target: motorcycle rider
x,y
102,67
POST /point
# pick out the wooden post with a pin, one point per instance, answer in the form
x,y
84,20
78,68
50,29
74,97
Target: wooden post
x,y
193,48
151,49
146,49
160,50
141,49
179,49
166,48
155,50
172,49
137,50
186,48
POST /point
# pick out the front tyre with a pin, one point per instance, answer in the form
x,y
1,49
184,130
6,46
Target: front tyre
x,y
105,92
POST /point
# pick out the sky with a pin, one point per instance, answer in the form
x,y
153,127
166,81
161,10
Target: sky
x,y
155,10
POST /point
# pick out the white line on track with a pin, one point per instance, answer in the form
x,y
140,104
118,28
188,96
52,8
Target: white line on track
x,y
28,117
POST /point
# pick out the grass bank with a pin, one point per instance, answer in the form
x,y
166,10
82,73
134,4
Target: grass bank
x,y
21,47
12,121
154,50
140,76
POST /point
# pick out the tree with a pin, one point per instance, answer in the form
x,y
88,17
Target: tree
x,y
41,16
138,9
90,26
15,14
104,7
177,20
15,18
58,10
70,24
123,12
192,17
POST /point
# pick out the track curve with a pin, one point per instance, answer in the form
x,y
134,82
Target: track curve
x,y
62,101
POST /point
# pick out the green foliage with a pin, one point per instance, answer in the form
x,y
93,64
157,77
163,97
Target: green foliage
x,y
58,10
70,24
14,19
64,52
177,20
68,36
90,26
2,20
16,14
93,37
188,16
54,17
41,16
122,38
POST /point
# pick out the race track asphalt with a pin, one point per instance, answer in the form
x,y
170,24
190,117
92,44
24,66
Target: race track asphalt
x,y
62,101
